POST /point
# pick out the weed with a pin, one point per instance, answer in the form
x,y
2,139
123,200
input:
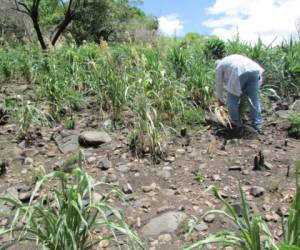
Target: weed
x,y
25,114
199,178
294,119
70,123
273,184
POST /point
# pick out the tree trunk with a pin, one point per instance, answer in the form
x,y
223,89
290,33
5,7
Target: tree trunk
x,y
59,29
39,33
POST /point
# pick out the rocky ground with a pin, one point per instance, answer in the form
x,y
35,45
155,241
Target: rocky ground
x,y
164,196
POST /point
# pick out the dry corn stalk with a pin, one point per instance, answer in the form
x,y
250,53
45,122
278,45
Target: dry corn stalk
x,y
221,114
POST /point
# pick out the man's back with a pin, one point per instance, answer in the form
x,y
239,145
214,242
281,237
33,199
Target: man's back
x,y
239,63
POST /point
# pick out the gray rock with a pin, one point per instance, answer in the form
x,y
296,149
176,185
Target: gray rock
x,y
284,114
164,174
123,168
11,192
66,143
209,218
257,191
111,178
93,138
5,208
295,107
127,189
202,227
216,177
268,166
104,164
165,223
28,161
25,196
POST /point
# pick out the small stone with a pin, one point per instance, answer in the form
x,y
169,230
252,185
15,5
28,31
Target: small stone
x,y
28,161
266,207
245,172
4,222
202,227
209,218
123,168
272,216
216,177
147,189
235,168
171,159
164,174
146,204
127,189
25,196
51,154
238,162
164,238
104,164
257,191
138,222
268,166
104,243
282,211
111,178
164,209
91,159
24,171
180,151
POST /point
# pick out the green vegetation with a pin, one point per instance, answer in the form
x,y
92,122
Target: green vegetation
x,y
294,119
71,216
167,84
112,62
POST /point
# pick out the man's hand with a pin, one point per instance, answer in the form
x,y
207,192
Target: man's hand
x,y
220,102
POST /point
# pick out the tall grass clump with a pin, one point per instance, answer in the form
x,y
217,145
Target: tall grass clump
x,y
70,217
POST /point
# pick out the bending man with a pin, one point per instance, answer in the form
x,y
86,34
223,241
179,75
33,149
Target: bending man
x,y
241,75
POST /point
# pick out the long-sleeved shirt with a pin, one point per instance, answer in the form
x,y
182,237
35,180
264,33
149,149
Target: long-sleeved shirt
x,y
228,71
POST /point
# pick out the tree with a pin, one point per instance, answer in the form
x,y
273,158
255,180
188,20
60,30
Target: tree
x,y
32,8
108,19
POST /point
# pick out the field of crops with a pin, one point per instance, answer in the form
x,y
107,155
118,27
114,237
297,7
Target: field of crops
x,y
153,100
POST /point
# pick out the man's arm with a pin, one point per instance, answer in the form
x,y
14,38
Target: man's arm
x,y
219,84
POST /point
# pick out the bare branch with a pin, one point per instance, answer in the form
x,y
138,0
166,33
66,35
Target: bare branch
x,y
25,6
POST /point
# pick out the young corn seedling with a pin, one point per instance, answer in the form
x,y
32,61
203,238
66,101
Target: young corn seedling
x,y
252,233
72,217
25,114
291,226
